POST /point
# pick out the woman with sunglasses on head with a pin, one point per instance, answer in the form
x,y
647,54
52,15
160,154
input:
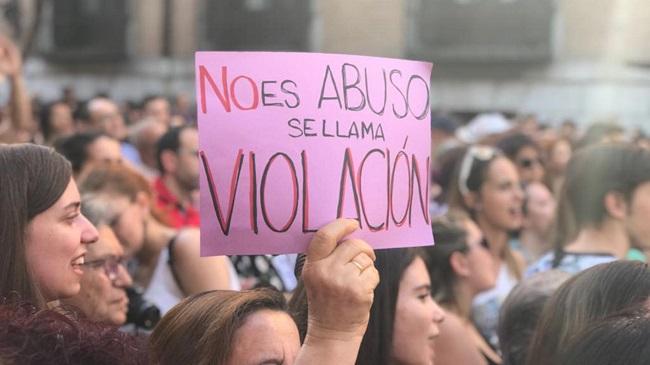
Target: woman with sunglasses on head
x,y
460,266
487,188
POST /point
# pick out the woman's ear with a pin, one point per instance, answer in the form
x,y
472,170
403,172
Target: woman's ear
x,y
459,264
615,204
472,200
169,161
143,201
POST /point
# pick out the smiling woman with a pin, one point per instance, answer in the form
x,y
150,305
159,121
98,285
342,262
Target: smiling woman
x,y
43,238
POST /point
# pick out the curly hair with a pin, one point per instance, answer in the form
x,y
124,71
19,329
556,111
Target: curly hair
x,y
33,336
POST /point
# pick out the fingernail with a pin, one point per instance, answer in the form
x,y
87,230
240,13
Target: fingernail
x,y
355,219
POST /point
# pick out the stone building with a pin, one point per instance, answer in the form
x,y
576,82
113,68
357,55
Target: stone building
x,y
580,59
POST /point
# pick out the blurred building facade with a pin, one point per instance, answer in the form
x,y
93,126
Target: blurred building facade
x,y
579,59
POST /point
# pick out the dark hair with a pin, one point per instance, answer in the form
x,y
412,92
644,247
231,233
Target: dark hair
x,y
600,169
81,113
33,178
75,148
521,310
450,237
598,133
149,98
443,174
512,144
444,123
46,118
586,298
376,346
170,141
593,172
476,177
29,335
199,330
621,339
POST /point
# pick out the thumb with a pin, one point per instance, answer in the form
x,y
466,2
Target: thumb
x,y
326,238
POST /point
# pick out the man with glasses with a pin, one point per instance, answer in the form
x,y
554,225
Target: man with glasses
x,y
177,187
103,297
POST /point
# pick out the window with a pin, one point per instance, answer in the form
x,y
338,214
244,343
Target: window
x,y
258,25
481,31
88,31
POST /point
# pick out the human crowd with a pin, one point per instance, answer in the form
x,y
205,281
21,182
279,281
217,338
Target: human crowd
x,y
541,243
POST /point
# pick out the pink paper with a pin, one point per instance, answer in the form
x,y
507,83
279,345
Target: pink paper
x,y
291,141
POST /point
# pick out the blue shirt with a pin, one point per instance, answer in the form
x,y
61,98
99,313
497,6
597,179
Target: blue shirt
x,y
572,262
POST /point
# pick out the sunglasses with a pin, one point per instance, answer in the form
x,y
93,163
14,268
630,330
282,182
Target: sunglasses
x,y
484,243
527,163
110,264
481,153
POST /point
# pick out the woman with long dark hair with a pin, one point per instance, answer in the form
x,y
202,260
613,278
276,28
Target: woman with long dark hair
x,y
461,267
487,188
43,235
404,319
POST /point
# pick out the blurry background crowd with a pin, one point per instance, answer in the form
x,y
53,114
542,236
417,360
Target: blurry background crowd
x,y
541,161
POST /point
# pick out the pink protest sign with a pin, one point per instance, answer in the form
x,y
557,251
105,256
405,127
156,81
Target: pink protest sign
x,y
291,141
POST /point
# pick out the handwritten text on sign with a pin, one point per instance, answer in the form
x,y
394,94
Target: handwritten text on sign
x,y
291,141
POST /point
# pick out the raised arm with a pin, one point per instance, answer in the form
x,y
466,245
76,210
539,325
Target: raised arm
x,y
11,66
340,279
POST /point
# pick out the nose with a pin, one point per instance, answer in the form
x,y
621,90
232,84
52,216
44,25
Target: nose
x,y
519,193
438,313
123,279
89,233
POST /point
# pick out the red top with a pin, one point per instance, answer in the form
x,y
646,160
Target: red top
x,y
176,214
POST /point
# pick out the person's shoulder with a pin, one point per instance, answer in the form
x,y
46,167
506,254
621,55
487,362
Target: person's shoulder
x,y
187,241
587,260
453,325
544,263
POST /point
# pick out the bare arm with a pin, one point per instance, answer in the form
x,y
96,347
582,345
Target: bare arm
x,y
195,273
20,106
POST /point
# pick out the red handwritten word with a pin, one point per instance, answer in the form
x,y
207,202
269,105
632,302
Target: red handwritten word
x,y
227,94
351,177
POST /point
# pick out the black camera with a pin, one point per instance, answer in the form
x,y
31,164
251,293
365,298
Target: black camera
x,y
142,313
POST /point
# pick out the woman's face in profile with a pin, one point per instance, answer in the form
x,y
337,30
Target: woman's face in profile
x,y
417,317
55,245
501,197
267,337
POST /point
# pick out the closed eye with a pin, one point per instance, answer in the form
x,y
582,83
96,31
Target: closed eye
x,y
72,217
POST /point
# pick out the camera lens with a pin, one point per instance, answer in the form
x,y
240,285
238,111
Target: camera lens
x,y
142,313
